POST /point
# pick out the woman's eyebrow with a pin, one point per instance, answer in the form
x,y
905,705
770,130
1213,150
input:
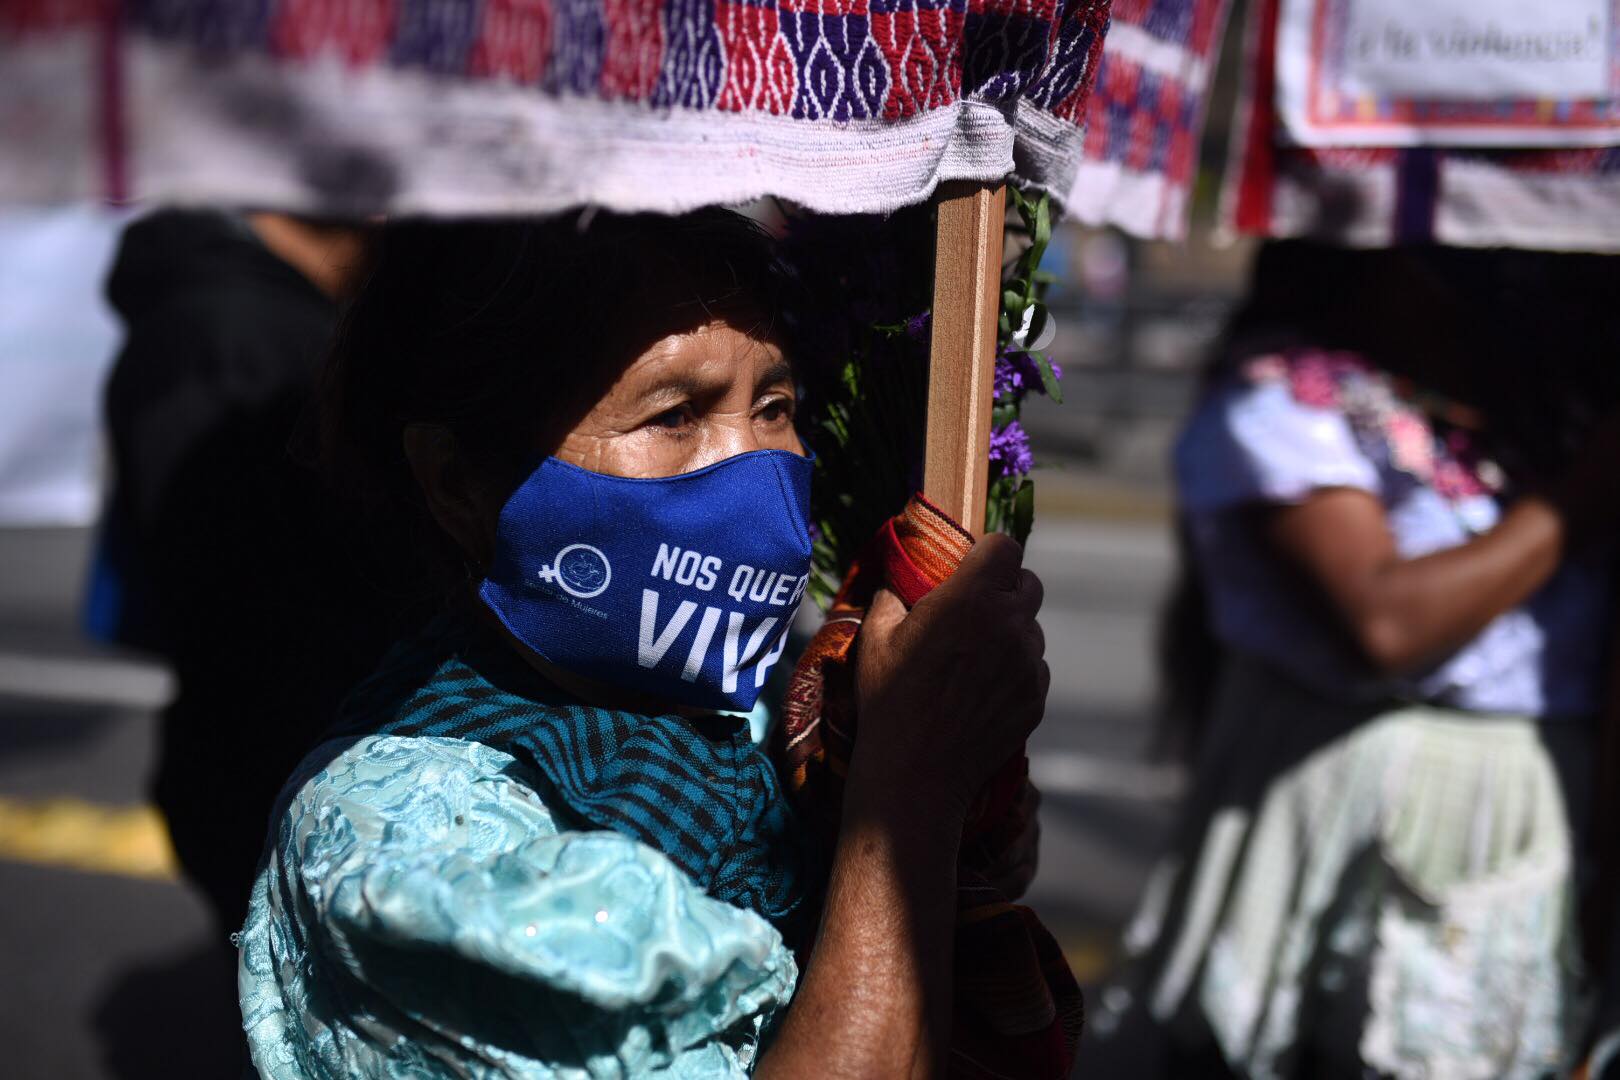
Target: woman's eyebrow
x,y
780,371
672,389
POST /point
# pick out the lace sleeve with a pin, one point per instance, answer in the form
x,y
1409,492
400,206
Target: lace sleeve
x,y
421,907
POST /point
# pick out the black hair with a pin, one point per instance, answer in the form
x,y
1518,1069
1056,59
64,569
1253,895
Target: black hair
x,y
505,331
1527,337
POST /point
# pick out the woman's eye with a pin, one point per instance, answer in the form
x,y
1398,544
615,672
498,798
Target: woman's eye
x,y
673,419
776,410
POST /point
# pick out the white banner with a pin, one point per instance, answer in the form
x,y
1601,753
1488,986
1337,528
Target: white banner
x,y
1449,72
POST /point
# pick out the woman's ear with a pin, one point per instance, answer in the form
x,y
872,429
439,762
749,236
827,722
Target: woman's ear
x,y
449,490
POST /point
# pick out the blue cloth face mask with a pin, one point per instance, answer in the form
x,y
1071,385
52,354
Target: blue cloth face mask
x,y
680,587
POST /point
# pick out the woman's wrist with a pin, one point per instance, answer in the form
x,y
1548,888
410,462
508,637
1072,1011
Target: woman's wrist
x,y
899,806
881,972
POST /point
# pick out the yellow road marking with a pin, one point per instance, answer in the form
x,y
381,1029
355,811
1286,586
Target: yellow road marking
x,y
130,841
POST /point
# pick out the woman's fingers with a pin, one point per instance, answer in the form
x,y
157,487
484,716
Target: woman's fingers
x,y
959,681
1037,640
885,613
1031,708
1030,590
995,558
1031,703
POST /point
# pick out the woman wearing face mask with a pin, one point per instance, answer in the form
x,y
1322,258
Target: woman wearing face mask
x,y
534,844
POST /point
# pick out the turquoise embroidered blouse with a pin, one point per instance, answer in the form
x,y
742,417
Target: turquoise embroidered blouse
x,y
422,914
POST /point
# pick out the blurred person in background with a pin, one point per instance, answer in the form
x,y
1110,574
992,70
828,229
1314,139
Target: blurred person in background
x,y
1390,646
221,551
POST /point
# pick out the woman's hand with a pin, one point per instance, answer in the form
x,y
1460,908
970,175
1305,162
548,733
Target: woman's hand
x,y
1588,497
1014,868
948,691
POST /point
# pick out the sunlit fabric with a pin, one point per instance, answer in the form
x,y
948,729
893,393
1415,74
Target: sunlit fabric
x,y
1387,887
424,913
477,874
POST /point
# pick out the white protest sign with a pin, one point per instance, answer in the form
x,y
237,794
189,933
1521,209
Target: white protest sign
x,y
1449,72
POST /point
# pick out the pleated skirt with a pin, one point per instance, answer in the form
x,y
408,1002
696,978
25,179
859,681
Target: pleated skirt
x,y
1357,890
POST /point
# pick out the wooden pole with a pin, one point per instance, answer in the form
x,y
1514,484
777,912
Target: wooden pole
x,y
962,359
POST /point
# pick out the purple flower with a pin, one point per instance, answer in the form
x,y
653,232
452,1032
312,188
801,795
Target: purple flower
x,y
918,325
1009,381
1017,373
1009,448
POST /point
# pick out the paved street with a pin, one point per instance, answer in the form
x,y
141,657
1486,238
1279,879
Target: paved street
x,y
1106,807
111,967
112,970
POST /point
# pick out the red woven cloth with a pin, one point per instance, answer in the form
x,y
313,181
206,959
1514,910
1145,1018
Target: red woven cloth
x,y
458,107
1017,1009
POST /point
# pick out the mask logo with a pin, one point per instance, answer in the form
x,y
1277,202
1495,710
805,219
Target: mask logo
x,y
580,569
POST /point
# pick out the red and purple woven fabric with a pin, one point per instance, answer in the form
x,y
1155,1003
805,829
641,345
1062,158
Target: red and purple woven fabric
x,y
1146,115
531,105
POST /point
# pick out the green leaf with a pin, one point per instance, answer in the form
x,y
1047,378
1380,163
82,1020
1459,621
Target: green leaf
x,y
1049,379
1002,415
1020,202
1043,221
852,377
1023,511
1037,322
1012,302
1030,262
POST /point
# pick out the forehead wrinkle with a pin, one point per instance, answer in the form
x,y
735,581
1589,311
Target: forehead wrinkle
x,y
671,365
749,347
700,362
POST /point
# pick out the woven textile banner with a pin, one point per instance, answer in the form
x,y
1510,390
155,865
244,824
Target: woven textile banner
x,y
1146,115
524,106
